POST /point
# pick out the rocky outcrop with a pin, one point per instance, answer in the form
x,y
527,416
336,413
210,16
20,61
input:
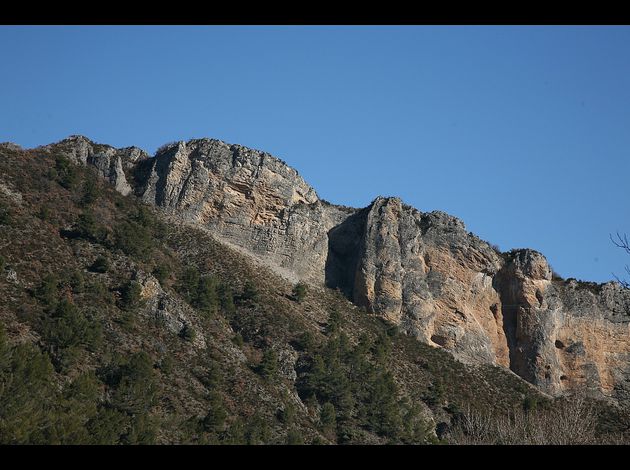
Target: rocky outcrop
x,y
565,335
165,310
247,198
421,271
109,162
425,273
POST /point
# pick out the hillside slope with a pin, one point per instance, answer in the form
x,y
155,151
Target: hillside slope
x,y
122,324
422,271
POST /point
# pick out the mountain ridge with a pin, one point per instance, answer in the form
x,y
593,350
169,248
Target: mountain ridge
x,y
423,271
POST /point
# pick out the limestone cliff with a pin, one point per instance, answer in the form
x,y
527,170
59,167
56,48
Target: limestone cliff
x,y
246,197
422,271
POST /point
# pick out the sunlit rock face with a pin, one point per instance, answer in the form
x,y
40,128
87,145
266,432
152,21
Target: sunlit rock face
x,y
422,271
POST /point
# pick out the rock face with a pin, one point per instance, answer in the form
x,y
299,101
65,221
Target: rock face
x,y
565,335
109,162
247,198
421,271
425,273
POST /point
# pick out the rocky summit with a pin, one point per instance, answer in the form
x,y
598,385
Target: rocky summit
x,y
422,271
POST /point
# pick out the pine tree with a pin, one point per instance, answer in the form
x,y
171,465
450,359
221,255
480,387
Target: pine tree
x,y
269,364
299,292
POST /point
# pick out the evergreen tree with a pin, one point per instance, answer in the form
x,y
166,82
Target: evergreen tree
x,y
250,293
48,291
299,292
328,419
91,191
189,283
131,296
133,239
214,421
207,297
100,265
162,272
187,332
66,173
269,364
294,437
334,322
226,298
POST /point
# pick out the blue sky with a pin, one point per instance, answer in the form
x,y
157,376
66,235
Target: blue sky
x,y
523,132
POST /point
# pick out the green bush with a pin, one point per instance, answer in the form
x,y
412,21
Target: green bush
x,y
5,217
188,283
250,292
334,322
147,219
306,341
100,265
27,391
436,392
91,191
98,291
257,430
47,291
144,217
382,348
328,417
294,437
207,298
69,327
354,386
131,296
162,272
123,419
75,281
66,173
299,292
166,364
226,298
89,229
133,383
44,213
34,410
286,415
203,292
214,421
187,332
133,239
238,340
530,403
269,365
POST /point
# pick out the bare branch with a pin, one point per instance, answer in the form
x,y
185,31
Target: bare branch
x,y
623,282
623,243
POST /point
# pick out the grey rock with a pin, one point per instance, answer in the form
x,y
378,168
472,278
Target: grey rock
x,y
12,276
11,146
246,197
110,163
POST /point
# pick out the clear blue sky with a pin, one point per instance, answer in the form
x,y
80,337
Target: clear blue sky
x,y
522,132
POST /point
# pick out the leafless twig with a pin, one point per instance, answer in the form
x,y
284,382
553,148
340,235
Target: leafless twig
x,y
623,243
